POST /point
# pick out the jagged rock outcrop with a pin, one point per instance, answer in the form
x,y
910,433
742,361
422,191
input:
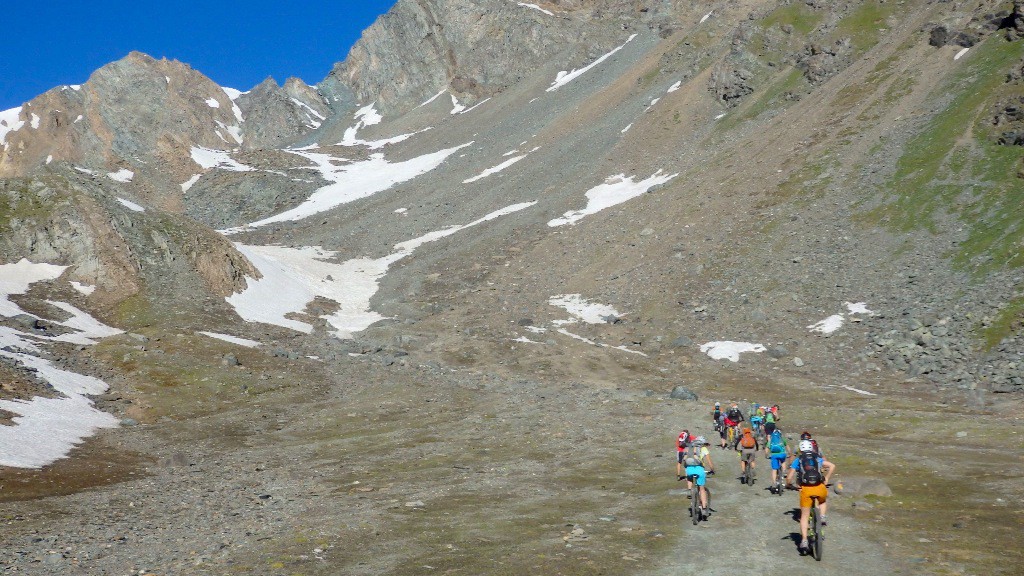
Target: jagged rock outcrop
x,y
422,47
135,114
277,115
67,219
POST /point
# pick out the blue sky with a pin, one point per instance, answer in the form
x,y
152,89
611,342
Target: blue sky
x,y
237,44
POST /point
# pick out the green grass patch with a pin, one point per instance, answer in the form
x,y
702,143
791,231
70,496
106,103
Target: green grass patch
x,y
1008,321
791,80
799,15
864,25
954,167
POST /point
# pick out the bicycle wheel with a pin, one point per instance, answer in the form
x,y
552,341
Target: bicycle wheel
x,y
752,472
695,505
817,543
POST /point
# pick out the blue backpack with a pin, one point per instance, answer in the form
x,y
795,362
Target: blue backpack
x,y
777,445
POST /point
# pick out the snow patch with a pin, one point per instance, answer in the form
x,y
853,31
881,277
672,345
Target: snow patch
x,y
456,107
212,103
674,87
706,16
960,54
35,121
354,180
564,77
729,350
293,277
499,167
131,205
9,122
614,191
432,98
123,175
232,339
83,288
828,325
583,309
46,429
208,158
535,7
188,183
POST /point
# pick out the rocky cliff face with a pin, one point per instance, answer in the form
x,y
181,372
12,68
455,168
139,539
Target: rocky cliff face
x,y
422,47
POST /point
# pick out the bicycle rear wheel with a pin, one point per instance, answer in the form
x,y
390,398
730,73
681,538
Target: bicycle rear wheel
x,y
695,505
817,543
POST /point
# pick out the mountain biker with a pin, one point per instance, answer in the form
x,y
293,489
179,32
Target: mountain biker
x,y
770,419
681,443
776,449
733,418
747,446
698,464
716,415
805,435
815,473
756,419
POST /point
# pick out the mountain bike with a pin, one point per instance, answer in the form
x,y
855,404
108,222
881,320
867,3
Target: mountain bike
x,y
696,512
779,485
815,535
749,475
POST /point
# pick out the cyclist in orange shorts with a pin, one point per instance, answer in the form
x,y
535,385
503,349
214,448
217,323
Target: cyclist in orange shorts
x,y
815,473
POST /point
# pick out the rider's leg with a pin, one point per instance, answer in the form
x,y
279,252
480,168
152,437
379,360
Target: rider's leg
x,y
805,513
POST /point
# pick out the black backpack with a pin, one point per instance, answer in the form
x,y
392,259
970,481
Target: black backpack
x,y
810,472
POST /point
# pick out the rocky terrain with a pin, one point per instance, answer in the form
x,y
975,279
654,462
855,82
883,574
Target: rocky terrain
x,y
836,184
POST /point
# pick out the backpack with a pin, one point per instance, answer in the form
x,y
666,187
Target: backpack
x,y
748,441
810,473
692,457
683,440
769,417
777,444
734,414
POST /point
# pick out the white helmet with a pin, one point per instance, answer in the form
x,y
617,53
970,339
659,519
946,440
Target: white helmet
x,y
806,446
700,441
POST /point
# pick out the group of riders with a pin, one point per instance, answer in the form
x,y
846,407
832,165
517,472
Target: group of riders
x,y
805,469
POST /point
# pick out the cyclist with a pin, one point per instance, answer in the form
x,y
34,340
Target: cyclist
x,y
698,465
716,415
815,472
776,449
747,446
733,418
770,419
681,443
756,418
805,435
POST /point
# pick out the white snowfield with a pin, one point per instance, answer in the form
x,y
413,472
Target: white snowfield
x,y
208,158
352,181
499,167
615,190
123,175
232,339
10,122
583,309
537,8
46,429
131,205
729,350
836,321
564,77
293,277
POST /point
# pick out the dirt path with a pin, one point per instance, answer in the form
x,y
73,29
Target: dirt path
x,y
752,530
